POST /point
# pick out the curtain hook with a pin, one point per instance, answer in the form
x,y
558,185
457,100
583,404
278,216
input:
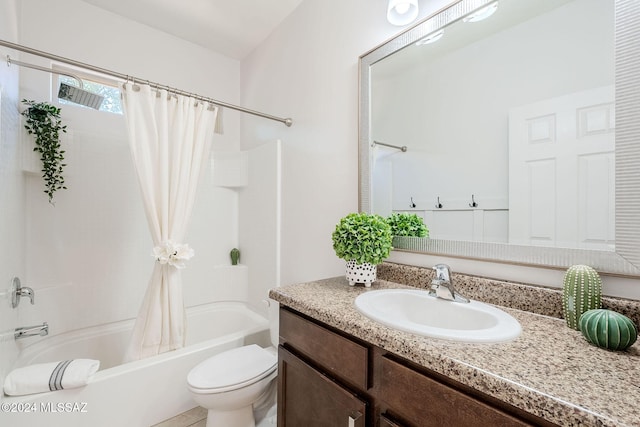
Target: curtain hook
x,y
473,203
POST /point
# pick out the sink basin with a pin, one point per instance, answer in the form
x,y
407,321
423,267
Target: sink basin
x,y
415,311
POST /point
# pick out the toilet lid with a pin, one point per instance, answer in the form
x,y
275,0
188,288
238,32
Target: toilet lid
x,y
232,367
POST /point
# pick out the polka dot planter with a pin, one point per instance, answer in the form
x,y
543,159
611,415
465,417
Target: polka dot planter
x,y
582,291
608,329
361,273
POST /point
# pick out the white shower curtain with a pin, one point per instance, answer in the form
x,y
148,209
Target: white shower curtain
x,y
170,139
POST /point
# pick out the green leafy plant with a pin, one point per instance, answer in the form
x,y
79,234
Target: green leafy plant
x,y
363,238
407,224
44,122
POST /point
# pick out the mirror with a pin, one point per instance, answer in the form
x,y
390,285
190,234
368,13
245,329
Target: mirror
x,y
487,165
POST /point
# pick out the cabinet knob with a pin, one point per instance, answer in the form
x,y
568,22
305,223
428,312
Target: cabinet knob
x,y
355,416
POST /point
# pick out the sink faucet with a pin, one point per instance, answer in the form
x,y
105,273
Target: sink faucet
x,y
442,285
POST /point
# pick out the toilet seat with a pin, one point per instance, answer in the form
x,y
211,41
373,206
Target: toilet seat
x,y
232,369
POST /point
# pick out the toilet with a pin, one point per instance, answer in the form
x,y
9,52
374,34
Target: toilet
x,y
231,384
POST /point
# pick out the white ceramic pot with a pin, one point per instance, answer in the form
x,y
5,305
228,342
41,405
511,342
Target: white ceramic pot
x,y
361,273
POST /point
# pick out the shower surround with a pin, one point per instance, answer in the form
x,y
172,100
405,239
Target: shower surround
x,y
88,258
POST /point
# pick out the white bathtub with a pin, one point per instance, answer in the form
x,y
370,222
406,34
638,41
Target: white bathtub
x,y
139,393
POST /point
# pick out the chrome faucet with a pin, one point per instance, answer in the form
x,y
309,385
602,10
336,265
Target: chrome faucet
x,y
30,331
442,285
18,291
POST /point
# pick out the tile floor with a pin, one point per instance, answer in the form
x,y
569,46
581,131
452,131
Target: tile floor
x,y
196,417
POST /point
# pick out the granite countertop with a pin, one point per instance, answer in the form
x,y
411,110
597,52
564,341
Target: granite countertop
x,y
549,370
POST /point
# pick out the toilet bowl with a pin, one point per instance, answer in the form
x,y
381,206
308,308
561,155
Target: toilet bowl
x,y
230,383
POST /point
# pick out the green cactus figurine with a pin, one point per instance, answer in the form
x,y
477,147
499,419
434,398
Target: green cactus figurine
x,y
608,329
235,256
582,291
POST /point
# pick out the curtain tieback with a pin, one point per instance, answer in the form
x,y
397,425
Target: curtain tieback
x,y
174,254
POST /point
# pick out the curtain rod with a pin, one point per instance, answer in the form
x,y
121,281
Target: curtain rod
x,y
403,148
287,121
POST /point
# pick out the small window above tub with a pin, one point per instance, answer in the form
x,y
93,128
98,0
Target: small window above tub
x,y
66,88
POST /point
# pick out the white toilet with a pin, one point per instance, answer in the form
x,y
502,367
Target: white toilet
x,y
231,383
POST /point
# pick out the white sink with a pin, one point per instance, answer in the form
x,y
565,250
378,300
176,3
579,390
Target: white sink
x,y
415,311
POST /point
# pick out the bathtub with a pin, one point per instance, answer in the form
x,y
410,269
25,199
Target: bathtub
x,y
139,393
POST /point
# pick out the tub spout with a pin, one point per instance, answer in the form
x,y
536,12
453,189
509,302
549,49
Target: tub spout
x,y
30,331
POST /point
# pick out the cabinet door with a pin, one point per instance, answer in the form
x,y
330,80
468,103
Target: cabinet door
x,y
308,398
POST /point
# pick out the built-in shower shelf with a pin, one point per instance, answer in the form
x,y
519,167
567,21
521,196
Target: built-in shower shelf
x,y
230,169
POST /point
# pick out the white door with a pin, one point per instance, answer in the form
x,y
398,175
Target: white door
x,y
562,171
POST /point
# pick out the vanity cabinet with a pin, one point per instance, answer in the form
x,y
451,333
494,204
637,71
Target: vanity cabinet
x,y
327,378
321,376
310,398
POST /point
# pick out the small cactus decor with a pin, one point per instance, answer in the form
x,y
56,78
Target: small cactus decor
x,y
582,291
235,256
608,329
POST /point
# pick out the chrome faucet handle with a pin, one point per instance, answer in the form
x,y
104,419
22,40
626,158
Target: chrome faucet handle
x,y
443,289
442,285
28,292
443,272
18,291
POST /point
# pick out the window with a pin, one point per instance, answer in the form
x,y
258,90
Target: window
x,y
112,102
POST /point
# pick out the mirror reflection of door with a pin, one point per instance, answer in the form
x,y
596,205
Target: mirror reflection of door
x,y
562,171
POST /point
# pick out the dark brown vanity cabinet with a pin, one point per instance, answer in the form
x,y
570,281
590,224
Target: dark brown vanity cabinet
x,y
312,399
321,376
329,379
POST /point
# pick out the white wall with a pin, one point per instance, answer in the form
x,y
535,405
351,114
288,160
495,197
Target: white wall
x,y
12,225
308,68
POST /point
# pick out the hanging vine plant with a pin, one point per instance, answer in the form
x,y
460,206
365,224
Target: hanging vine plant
x,y
44,122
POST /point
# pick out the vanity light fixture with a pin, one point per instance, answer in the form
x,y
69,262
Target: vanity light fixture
x,y
482,14
431,38
402,12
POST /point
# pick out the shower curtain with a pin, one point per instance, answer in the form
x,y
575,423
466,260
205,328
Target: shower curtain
x,y
170,139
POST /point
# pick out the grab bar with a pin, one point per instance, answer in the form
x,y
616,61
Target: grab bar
x,y
30,331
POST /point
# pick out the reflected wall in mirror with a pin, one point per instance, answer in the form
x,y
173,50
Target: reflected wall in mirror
x,y
510,129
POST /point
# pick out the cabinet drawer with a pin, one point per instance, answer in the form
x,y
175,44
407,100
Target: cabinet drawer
x,y
423,401
337,355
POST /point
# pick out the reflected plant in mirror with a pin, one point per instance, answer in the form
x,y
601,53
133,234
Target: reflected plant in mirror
x,y
407,224
516,141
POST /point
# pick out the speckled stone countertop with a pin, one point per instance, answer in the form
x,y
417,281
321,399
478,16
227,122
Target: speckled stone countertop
x,y
549,370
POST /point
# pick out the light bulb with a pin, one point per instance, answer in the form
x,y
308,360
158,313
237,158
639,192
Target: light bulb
x,y
402,12
482,14
402,8
431,38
